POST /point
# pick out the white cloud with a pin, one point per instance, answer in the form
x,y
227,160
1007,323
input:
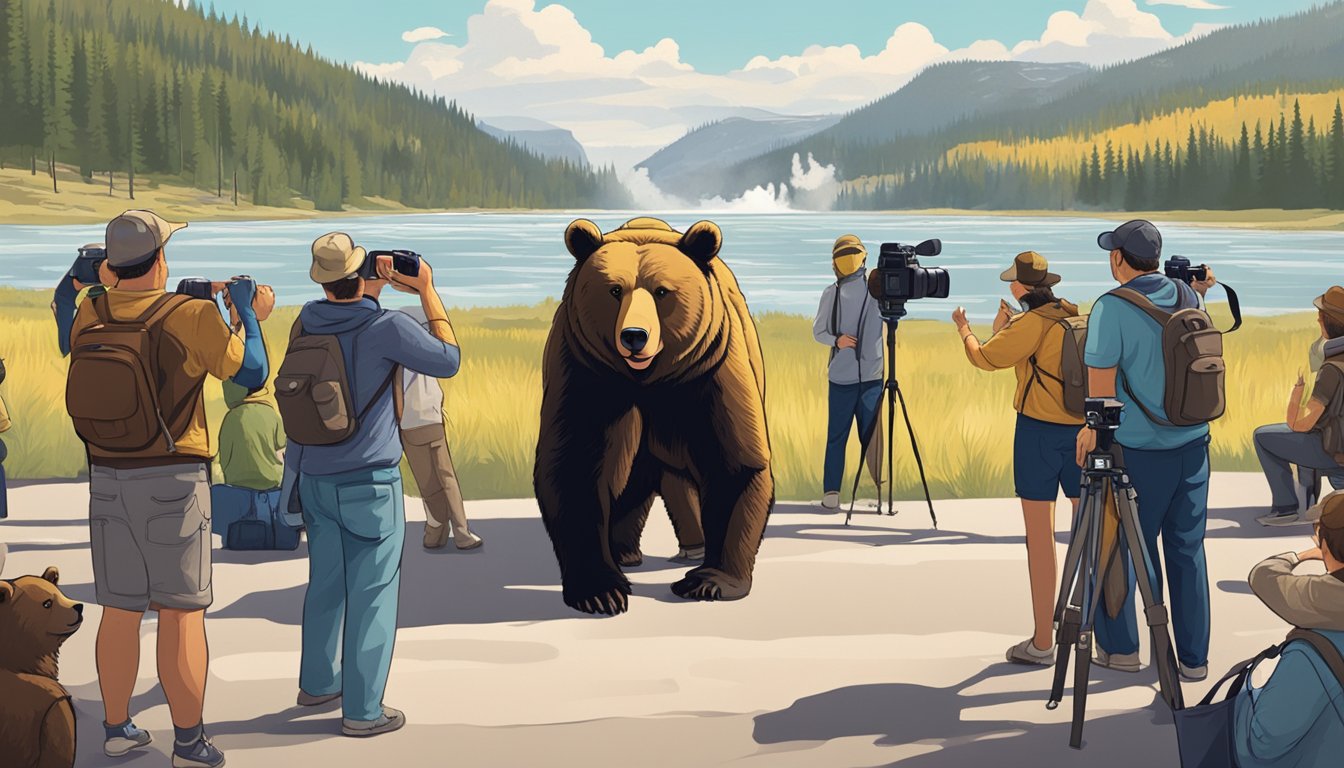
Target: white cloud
x,y
423,34
518,59
1198,5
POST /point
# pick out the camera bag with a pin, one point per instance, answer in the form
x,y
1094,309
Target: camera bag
x,y
1196,376
314,393
112,392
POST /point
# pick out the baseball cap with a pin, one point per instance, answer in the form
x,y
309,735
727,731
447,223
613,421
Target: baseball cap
x,y
1138,238
1329,511
134,236
1030,268
335,257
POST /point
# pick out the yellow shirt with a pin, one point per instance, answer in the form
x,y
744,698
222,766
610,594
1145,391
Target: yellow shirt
x,y
195,343
1035,333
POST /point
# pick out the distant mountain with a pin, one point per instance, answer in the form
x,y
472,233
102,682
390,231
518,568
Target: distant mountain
x,y
539,138
681,167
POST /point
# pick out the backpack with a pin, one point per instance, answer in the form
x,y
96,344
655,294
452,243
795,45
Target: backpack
x,y
1332,421
1196,376
251,520
1072,377
112,391
314,393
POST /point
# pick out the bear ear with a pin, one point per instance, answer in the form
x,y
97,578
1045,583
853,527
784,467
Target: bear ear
x,y
6,592
583,238
52,574
702,242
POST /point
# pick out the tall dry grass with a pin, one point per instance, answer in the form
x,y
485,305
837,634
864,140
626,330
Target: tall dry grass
x,y
962,416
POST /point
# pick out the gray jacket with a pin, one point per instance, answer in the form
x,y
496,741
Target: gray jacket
x,y
855,314
1314,601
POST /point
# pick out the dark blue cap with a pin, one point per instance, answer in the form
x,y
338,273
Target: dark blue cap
x,y
1139,239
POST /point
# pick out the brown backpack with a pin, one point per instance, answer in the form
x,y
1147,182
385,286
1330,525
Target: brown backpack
x,y
314,393
1192,349
112,392
1072,377
1332,421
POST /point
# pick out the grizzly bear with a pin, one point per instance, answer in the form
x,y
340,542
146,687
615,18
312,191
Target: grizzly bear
x,y
37,721
653,383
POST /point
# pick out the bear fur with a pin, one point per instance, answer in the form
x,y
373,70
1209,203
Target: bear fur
x,y
653,383
37,720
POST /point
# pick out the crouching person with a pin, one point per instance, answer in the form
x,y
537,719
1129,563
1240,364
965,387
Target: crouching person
x,y
1297,718
335,392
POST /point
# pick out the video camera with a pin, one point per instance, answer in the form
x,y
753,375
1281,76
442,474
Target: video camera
x,y
405,263
87,264
899,278
1179,268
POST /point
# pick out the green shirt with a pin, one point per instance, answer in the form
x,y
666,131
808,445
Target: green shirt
x,y
249,440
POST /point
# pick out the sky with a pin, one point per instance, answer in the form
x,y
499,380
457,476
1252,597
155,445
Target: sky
x,y
628,77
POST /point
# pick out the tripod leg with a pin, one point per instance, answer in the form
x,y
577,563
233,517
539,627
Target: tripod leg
x,y
1068,608
1088,599
1082,669
914,445
1155,611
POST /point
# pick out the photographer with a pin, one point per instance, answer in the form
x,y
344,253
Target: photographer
x,y
848,321
1301,440
1043,446
1168,465
65,300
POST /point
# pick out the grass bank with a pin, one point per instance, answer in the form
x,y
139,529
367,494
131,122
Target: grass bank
x,y
962,416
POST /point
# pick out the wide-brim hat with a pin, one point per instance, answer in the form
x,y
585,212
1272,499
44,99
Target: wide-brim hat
x,y
1030,268
1332,303
1329,511
335,257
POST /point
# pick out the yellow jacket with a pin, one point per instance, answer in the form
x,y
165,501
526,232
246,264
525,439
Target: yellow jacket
x,y
1031,334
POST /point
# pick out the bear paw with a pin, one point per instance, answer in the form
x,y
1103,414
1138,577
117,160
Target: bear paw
x,y
605,594
711,584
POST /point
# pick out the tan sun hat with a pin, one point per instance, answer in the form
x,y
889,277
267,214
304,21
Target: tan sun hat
x,y
1332,303
134,236
335,257
1030,268
1329,511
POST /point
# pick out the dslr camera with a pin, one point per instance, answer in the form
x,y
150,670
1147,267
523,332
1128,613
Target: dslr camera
x,y
87,263
203,288
404,262
1180,268
899,278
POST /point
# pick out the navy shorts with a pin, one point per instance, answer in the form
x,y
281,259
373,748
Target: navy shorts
x,y
1043,460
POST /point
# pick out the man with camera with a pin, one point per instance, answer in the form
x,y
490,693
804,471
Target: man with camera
x,y
335,392
1032,342
139,360
1168,464
1312,438
849,323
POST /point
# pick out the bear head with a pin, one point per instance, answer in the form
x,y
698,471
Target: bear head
x,y
36,618
642,297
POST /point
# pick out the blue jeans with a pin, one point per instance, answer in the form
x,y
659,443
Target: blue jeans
x,y
848,402
356,526
1173,497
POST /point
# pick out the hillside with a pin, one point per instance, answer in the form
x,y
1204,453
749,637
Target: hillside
x,y
1296,55
539,138
143,87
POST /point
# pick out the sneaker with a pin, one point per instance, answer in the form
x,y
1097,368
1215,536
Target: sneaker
x,y
1026,652
307,699
1280,518
123,738
688,555
435,535
1193,674
468,542
392,720
1120,662
200,754
830,501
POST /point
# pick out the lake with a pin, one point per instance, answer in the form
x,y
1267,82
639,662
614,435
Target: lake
x,y
782,260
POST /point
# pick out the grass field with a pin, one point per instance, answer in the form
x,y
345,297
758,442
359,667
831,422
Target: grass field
x,y
962,416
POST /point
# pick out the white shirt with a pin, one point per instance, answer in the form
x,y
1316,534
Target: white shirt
x,y
423,406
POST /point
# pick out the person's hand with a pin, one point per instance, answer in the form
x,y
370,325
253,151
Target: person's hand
x,y
959,318
264,302
241,292
419,284
846,342
1085,444
1311,554
1202,286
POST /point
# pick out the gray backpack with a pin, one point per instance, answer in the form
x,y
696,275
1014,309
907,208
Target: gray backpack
x,y
1332,421
1196,376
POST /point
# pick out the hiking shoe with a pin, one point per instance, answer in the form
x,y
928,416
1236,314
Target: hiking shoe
x,y
435,535
688,555
468,542
1120,662
199,754
830,501
1280,518
392,720
120,739
1193,674
1026,652
307,699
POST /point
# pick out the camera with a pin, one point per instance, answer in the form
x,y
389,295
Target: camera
x,y
1103,414
87,263
899,277
1179,268
403,263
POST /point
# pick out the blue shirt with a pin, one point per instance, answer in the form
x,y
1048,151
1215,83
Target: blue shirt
x,y
1297,719
373,341
1120,335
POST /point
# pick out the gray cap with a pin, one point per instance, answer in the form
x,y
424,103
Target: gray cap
x,y
1137,238
134,236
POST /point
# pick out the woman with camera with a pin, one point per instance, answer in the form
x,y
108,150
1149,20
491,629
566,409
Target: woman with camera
x,y
1032,342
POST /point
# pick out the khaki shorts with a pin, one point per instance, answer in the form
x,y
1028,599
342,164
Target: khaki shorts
x,y
150,534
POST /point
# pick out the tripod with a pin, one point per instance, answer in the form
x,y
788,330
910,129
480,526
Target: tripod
x,y
893,389
1090,557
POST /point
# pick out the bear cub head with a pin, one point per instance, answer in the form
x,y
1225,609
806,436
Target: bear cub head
x,y
36,618
641,295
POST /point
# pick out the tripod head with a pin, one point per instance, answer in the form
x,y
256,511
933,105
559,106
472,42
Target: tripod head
x,y
1103,416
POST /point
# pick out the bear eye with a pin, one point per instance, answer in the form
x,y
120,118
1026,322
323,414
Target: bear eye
x,y
46,604
660,293
615,291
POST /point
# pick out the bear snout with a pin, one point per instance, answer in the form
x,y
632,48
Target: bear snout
x,y
634,339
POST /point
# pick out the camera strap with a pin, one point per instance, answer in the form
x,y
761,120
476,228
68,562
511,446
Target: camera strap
x,y
1233,306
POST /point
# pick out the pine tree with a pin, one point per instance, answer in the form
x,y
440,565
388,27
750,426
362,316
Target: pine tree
x,y
1336,175
56,110
1299,176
